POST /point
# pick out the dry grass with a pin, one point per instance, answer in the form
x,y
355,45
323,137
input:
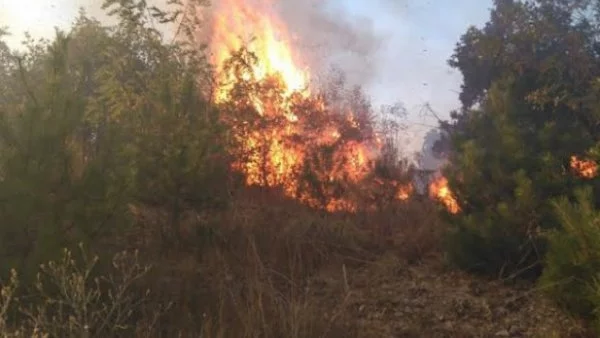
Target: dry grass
x,y
412,230
257,268
252,275
68,300
272,268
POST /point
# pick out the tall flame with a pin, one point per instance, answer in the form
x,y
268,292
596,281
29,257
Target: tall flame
x,y
289,135
277,147
239,22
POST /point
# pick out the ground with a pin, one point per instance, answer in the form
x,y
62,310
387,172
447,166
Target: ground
x,y
307,276
390,298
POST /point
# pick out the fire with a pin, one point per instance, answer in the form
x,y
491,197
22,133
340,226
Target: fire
x,y
405,191
234,21
584,168
438,189
286,137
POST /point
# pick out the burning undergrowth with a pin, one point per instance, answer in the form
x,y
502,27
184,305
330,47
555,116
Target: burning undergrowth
x,y
322,148
315,151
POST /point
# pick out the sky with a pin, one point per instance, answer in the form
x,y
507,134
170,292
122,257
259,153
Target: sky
x,y
410,65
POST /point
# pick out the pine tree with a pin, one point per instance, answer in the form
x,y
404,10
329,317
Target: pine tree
x,y
527,108
96,121
573,260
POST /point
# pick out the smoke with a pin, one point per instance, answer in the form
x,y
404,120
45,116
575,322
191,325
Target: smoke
x,y
324,35
431,159
331,37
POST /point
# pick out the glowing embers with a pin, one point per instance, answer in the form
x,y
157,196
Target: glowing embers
x,y
584,168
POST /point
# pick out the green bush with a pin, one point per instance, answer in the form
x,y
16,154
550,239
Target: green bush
x,y
502,189
493,250
96,122
572,264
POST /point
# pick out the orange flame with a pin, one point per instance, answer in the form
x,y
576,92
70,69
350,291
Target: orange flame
x,y
234,21
405,191
584,168
281,141
438,189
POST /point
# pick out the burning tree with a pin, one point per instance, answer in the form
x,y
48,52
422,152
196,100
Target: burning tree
x,y
315,147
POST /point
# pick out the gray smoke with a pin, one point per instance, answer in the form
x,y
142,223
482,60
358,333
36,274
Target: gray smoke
x,y
330,37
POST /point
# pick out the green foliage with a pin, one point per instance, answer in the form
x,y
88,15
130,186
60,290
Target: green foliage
x,y
101,119
502,187
572,264
527,108
48,183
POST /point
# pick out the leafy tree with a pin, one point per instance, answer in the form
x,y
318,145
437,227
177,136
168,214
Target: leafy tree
x,y
49,200
528,106
101,119
178,143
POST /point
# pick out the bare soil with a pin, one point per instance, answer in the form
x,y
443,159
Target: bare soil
x,y
390,298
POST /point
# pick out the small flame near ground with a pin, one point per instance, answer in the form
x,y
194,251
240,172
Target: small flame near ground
x,y
405,191
584,168
439,190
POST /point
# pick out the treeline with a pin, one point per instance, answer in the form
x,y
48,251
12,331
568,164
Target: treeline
x,y
529,110
97,126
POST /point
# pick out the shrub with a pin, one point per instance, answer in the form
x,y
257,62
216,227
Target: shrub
x,y
68,300
572,265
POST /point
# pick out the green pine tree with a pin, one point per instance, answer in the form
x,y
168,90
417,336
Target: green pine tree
x,y
528,107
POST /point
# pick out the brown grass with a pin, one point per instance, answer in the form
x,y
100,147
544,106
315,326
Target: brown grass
x,y
250,272
268,267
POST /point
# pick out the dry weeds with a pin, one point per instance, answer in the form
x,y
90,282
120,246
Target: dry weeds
x,y
271,268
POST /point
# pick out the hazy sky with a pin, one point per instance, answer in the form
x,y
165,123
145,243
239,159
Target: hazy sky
x,y
409,66
412,65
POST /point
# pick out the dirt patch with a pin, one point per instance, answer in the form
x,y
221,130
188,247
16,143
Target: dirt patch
x,y
389,298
